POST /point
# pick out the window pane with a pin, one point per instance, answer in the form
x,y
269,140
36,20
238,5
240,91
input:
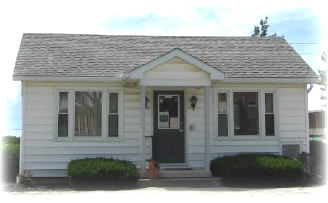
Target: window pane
x,y
269,125
113,125
222,102
113,103
63,102
168,115
223,124
88,113
62,125
246,117
268,102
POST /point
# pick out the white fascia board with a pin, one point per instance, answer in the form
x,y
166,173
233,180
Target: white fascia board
x,y
214,73
271,80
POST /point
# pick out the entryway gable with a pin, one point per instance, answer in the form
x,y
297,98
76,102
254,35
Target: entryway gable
x,y
213,73
176,72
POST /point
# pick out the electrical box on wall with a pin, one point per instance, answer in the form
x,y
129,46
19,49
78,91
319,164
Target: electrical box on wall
x,y
192,127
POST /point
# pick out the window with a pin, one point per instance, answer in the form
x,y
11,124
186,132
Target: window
x,y
222,114
269,115
63,114
246,113
113,123
87,115
168,111
88,108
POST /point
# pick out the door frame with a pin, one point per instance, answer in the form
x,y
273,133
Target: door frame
x,y
186,131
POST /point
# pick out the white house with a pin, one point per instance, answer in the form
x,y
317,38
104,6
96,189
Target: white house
x,y
181,100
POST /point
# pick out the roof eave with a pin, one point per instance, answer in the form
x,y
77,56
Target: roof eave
x,y
271,80
67,79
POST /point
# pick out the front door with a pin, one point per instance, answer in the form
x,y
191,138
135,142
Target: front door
x,y
168,140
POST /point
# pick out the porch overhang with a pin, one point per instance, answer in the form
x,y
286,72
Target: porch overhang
x,y
214,74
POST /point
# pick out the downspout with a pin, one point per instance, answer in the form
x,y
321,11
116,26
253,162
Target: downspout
x,y
310,88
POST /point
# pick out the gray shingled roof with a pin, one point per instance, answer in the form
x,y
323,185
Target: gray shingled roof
x,y
75,55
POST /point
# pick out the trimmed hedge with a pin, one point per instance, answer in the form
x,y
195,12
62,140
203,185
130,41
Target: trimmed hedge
x,y
102,172
258,168
10,158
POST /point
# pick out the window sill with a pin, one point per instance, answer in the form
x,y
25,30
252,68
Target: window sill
x,y
243,138
89,139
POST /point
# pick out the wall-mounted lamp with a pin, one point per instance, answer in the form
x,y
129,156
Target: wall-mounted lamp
x,y
147,105
193,101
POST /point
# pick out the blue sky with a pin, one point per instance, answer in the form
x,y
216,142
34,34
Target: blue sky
x,y
301,23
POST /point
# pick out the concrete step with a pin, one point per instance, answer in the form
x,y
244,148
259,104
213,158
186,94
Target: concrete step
x,y
180,173
180,182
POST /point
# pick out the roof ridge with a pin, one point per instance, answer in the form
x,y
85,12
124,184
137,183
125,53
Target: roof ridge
x,y
164,36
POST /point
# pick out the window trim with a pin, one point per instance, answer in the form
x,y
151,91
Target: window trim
x,y
216,103
120,114
274,110
56,110
261,101
105,110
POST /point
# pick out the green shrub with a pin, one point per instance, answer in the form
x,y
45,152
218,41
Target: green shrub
x,y
102,172
25,179
318,161
10,158
257,167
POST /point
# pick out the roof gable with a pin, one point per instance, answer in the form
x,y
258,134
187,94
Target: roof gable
x,y
214,73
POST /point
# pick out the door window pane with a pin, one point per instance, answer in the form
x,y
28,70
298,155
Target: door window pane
x,y
168,115
246,118
223,124
88,113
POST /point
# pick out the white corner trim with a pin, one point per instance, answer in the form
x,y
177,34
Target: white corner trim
x,y
22,142
214,73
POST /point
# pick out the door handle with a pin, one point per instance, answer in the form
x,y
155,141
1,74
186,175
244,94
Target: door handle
x,y
181,130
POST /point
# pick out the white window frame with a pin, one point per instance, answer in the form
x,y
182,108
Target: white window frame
x,y
274,112
119,91
261,110
216,102
105,110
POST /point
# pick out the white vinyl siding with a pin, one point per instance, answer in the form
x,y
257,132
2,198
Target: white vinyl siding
x,y
48,157
176,72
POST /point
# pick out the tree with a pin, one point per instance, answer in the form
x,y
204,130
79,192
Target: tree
x,y
323,77
263,32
